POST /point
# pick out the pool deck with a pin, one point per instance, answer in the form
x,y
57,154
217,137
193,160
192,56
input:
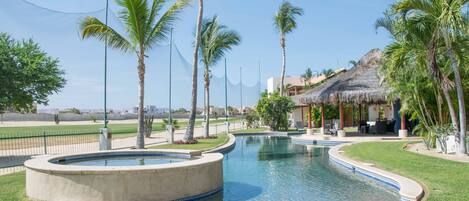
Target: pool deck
x,y
351,138
420,148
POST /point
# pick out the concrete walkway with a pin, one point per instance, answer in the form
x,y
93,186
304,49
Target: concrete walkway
x,y
365,138
420,148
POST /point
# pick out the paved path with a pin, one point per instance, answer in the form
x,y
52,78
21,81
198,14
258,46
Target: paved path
x,y
420,148
365,138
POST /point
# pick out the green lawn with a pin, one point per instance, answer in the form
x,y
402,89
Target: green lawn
x,y
445,180
88,129
250,130
12,187
204,144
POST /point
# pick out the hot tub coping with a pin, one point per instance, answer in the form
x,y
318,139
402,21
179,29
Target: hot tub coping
x,y
43,164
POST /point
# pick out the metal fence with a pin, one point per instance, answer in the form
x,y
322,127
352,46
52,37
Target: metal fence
x,y
16,148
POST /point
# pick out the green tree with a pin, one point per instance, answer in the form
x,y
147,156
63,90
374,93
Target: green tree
x,y
273,110
144,29
327,72
28,75
216,40
450,26
285,22
189,136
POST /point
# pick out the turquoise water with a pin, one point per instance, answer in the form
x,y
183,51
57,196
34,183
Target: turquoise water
x,y
272,168
123,160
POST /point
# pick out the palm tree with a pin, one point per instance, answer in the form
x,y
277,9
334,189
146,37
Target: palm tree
x,y
353,63
189,136
450,26
413,37
285,22
143,30
216,40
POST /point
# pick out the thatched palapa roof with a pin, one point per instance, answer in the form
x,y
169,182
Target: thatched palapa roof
x,y
361,84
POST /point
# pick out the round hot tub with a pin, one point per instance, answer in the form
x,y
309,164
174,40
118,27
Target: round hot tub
x,y
125,175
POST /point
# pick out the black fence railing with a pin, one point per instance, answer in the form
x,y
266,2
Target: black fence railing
x,y
17,147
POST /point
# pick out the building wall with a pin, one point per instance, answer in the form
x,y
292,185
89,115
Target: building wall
x,y
373,112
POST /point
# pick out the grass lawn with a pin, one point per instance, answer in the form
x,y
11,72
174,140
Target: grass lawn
x,y
12,187
250,130
117,129
445,180
204,144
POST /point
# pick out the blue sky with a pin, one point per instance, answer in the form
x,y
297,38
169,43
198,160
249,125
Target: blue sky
x,y
330,34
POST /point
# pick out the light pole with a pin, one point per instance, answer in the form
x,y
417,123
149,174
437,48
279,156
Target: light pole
x,y
227,124
241,88
105,137
259,79
170,117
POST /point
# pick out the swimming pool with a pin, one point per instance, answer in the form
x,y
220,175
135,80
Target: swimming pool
x,y
273,168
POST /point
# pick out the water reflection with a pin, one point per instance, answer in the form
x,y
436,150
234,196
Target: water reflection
x,y
273,168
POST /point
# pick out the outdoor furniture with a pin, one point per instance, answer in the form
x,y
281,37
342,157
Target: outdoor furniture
x,y
363,127
299,126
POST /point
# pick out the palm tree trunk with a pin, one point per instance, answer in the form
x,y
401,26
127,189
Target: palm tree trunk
x,y
207,104
452,112
460,93
141,98
190,128
284,63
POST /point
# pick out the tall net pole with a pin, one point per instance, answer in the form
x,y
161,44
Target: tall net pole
x,y
105,69
226,95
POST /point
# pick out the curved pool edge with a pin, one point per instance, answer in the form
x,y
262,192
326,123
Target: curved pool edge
x,y
186,180
225,148
408,189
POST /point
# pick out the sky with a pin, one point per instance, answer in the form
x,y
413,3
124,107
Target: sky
x,y
329,35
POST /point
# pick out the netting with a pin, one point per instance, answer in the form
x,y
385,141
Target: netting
x,y
57,33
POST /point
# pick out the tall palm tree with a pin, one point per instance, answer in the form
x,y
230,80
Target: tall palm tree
x,y
414,43
189,136
216,40
285,22
450,25
143,30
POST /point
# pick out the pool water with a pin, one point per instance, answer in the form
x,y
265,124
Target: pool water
x,y
272,168
123,160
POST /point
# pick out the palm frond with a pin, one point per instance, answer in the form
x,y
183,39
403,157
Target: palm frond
x,y
134,16
285,19
93,27
216,40
160,30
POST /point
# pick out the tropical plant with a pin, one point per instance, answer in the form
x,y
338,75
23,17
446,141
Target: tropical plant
x,y
285,22
216,40
28,75
436,33
252,120
273,110
353,63
306,76
148,123
189,136
327,72
144,29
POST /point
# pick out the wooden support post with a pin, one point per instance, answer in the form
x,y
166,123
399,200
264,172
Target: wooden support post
x,y
341,111
323,118
359,114
302,115
310,125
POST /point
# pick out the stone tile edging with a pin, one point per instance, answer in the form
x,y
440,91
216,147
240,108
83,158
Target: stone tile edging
x,y
228,146
409,190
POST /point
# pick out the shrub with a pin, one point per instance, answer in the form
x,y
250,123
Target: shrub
x,y
148,125
252,120
273,110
